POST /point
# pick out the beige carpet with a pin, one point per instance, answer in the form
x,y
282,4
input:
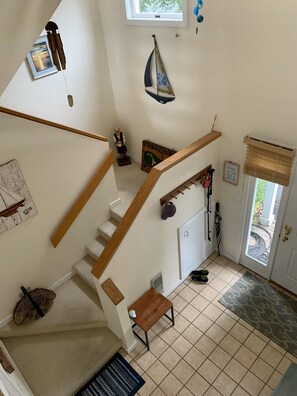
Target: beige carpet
x,y
58,353
75,307
58,364
129,179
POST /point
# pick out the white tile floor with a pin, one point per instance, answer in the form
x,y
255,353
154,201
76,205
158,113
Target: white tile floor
x,y
210,351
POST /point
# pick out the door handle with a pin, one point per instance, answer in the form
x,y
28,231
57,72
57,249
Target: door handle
x,y
286,231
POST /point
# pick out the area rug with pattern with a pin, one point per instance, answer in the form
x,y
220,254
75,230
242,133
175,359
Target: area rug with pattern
x,y
116,378
264,307
288,384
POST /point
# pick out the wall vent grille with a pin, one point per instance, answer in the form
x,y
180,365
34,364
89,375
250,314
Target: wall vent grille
x,y
157,282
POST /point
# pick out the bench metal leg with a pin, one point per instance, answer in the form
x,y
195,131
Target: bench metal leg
x,y
172,316
146,342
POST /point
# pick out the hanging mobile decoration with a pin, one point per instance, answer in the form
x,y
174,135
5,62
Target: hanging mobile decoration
x,y
197,9
56,45
59,58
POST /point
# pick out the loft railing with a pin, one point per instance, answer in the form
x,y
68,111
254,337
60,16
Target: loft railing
x,y
91,186
143,194
52,124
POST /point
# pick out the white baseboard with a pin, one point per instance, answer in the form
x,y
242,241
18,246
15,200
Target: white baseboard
x,y
5,321
173,287
230,257
130,349
62,280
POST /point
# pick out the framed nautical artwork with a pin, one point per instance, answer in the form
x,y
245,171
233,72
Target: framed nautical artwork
x,y
231,172
16,204
40,59
153,154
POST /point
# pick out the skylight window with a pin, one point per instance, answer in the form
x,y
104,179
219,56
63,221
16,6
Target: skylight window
x,y
156,12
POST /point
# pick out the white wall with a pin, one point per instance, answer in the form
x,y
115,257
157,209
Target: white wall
x,y
242,66
151,245
193,66
260,91
21,21
87,75
56,166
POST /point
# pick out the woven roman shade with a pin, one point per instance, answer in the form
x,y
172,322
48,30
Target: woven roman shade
x,y
268,161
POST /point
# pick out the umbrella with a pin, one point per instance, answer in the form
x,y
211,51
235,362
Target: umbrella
x,y
218,219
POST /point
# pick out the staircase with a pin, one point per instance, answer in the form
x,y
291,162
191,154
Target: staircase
x,y
95,248
129,179
58,353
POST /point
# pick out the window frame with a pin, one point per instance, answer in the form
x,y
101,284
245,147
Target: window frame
x,y
150,19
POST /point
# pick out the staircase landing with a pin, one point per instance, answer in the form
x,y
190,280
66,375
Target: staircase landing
x,y
58,364
129,179
58,353
75,307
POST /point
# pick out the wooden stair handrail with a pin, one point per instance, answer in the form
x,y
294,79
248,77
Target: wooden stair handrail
x,y
82,199
52,124
111,290
143,194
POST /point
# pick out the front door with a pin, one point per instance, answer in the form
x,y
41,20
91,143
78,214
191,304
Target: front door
x,y
284,270
265,210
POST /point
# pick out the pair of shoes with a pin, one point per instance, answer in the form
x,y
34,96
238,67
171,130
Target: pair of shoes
x,y
200,272
199,278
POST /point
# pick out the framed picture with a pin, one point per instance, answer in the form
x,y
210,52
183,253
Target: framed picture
x,y
231,172
153,154
40,59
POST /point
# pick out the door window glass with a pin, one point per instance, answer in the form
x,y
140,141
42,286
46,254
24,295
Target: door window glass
x,y
267,196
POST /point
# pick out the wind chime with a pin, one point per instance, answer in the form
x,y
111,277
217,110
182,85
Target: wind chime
x,y
56,47
199,17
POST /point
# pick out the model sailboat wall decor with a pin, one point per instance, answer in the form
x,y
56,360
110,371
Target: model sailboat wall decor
x,y
9,202
16,204
156,82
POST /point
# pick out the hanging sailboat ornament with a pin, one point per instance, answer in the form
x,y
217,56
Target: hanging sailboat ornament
x,y
199,17
157,85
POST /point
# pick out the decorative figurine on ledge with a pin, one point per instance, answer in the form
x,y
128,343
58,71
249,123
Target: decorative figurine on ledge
x,y
120,143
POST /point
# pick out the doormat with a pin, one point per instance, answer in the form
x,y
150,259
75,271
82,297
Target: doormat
x,y
288,384
264,307
117,377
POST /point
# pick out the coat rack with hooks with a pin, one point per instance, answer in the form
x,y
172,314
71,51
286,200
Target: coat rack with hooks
x,y
185,186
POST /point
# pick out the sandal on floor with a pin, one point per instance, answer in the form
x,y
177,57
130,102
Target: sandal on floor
x,y
199,278
200,272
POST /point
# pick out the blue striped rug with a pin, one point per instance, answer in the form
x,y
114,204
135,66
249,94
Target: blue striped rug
x,y
116,378
264,307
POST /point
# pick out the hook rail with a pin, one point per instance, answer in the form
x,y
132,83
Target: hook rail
x,y
185,186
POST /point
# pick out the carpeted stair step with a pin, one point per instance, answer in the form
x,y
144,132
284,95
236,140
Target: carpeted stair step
x,y
119,211
83,268
58,364
107,229
75,307
96,247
